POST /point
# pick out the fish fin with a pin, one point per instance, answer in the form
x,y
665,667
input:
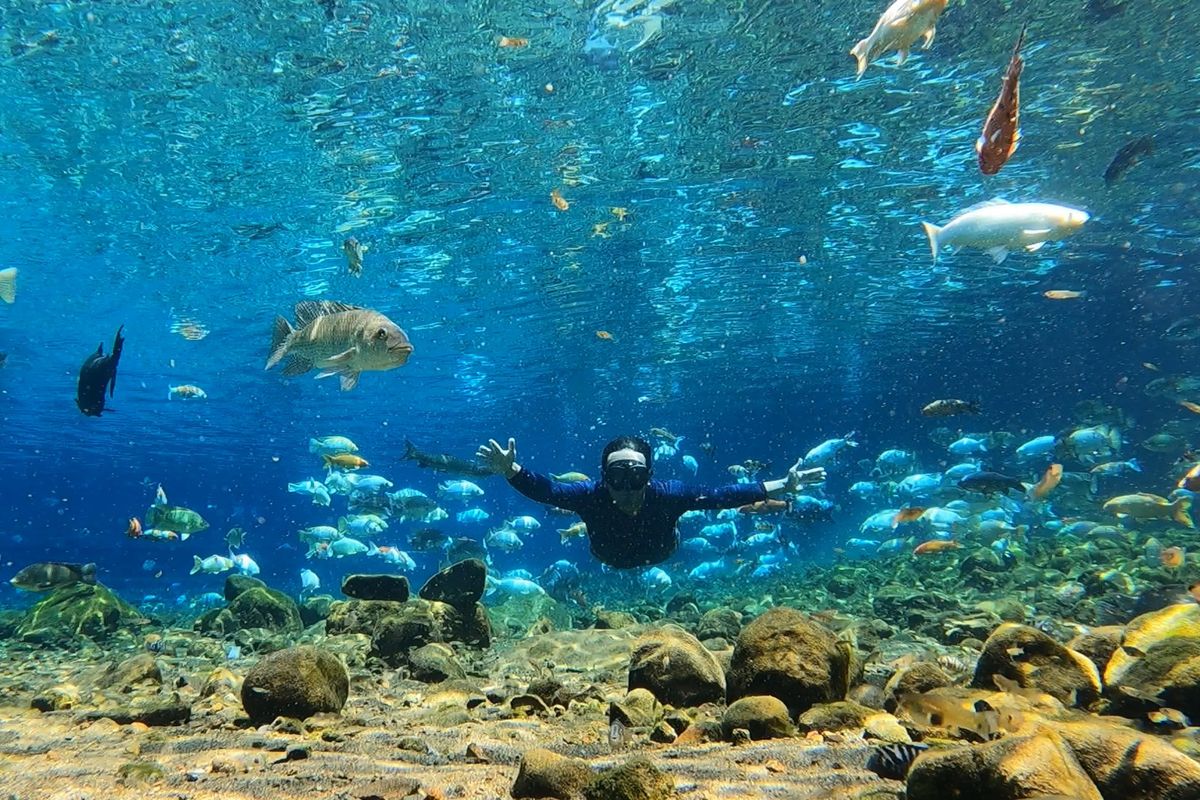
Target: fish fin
x,y
1033,248
196,565
8,284
998,254
296,365
308,310
1180,512
932,232
901,57
349,380
281,334
929,34
342,358
183,537
859,51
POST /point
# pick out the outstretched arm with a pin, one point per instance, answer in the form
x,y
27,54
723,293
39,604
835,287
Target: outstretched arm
x,y
536,487
796,478
738,494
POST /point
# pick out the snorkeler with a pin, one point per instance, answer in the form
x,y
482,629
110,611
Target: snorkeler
x,y
631,519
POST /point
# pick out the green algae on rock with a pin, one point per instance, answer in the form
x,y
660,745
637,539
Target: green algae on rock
x,y
80,610
676,668
297,682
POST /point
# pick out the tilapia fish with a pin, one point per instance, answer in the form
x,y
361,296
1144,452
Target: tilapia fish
x,y
339,339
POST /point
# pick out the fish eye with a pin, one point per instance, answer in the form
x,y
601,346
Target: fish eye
x,y
381,334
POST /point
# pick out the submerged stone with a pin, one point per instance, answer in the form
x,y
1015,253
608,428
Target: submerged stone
x,y
80,610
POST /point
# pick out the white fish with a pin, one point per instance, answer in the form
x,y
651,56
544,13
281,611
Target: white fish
x,y
999,226
244,563
524,524
314,489
898,29
656,578
692,465
516,586
347,547
309,582
211,565
331,446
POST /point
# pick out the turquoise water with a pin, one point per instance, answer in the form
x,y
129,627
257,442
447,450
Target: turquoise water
x,y
766,285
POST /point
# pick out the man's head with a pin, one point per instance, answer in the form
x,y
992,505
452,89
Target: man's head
x,y
626,465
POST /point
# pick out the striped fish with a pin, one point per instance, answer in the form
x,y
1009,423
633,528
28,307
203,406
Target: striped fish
x,y
892,761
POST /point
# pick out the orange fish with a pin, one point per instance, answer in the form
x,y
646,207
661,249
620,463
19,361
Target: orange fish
x,y
345,461
1190,406
1190,481
512,41
768,506
1002,128
1172,557
935,546
1063,294
1048,482
1194,591
559,201
135,528
906,515
605,335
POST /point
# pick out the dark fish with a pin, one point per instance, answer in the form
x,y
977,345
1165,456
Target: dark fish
x,y
440,462
990,483
1128,157
1184,330
3,359
463,548
1002,128
330,6
1104,10
949,408
258,230
426,540
97,375
892,761
46,575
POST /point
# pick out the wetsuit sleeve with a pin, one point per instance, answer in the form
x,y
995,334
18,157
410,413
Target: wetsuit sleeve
x,y
540,489
705,497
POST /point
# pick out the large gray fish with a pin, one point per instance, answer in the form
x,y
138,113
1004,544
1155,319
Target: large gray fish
x,y
339,339
47,575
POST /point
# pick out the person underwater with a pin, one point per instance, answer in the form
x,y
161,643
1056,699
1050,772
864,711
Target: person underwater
x,y
631,518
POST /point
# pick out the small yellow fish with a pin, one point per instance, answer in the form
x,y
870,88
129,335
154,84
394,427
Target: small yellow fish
x,y
570,477
512,41
1190,406
559,201
1063,294
186,392
578,530
345,461
605,335
600,229
620,212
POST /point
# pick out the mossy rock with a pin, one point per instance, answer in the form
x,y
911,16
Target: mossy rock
x,y
81,610
636,779
260,607
315,609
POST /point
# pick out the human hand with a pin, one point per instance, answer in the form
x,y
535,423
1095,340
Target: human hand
x,y
801,477
498,459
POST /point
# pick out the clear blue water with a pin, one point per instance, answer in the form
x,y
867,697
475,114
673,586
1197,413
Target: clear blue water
x,y
170,162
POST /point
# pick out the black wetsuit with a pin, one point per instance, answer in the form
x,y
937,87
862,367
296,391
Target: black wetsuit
x,y
645,538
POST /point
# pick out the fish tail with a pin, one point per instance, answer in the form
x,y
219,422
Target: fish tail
x,y
281,335
1020,40
1180,512
88,573
410,449
932,232
8,284
1134,465
196,565
372,550
1114,438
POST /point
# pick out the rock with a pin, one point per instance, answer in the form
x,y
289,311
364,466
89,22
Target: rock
x,y
719,623
636,779
219,681
663,733
1035,661
314,609
1011,768
916,679
376,587
460,585
546,774
82,609
1160,649
358,616
1130,765
676,668
529,704
236,584
613,620
297,682
837,716
765,717
56,698
1098,644
142,668
420,622
261,607
550,689
784,654
434,663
